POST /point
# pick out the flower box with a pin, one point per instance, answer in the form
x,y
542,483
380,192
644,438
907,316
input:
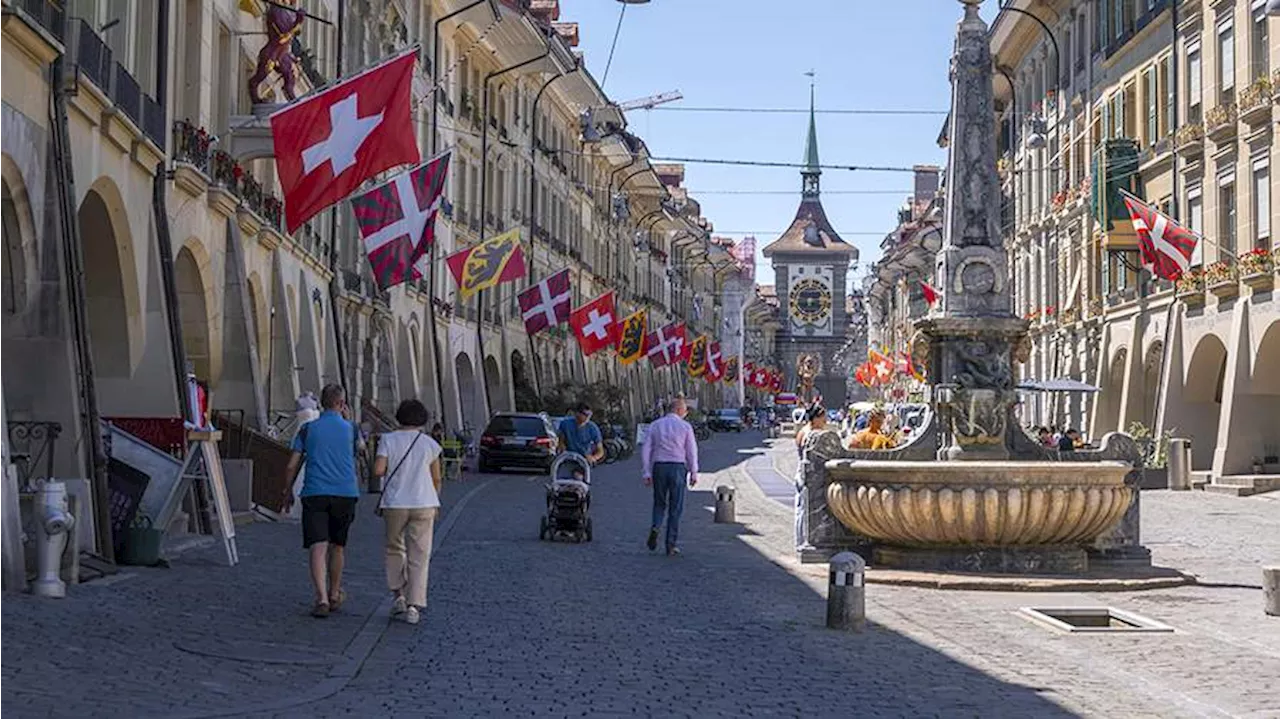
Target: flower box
x,y
1255,102
1255,268
1190,287
1189,139
1222,279
1220,123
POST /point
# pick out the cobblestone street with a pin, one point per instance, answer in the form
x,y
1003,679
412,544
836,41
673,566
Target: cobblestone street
x,y
731,628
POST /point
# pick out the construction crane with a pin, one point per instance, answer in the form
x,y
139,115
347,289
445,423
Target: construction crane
x,y
652,101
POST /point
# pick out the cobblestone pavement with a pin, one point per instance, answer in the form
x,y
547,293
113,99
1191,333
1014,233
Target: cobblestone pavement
x,y
731,628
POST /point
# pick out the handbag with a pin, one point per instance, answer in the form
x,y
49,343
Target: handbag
x,y
392,473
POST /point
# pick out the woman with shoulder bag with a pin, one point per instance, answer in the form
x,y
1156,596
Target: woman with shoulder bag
x,y
409,504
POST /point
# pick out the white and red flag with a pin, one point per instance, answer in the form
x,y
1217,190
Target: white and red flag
x,y
1165,246
675,347
546,304
715,363
596,324
749,374
397,221
329,143
654,350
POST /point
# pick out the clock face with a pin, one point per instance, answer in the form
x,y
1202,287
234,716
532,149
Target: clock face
x,y
810,301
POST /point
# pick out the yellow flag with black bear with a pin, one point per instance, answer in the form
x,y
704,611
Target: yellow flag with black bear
x,y
698,357
631,338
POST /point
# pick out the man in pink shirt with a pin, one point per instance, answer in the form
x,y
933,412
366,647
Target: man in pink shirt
x,y
669,458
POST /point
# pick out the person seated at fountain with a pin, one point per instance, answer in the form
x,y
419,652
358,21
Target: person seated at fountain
x,y
874,436
1070,441
1046,436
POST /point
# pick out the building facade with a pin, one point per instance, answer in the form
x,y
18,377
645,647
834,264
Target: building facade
x,y
144,237
1174,102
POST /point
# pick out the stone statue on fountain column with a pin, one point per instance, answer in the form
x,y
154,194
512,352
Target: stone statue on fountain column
x,y
282,23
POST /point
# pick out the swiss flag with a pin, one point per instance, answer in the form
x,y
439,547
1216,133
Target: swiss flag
x,y
546,304
331,142
596,324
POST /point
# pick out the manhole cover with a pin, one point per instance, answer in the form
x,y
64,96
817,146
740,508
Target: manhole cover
x,y
260,652
1093,619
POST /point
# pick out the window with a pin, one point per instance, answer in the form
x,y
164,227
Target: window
x,y
1226,63
1082,38
1129,111
1195,222
1194,108
1150,95
1227,215
1261,204
1166,85
1118,18
1259,62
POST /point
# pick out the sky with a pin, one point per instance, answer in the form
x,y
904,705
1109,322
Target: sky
x,y
867,54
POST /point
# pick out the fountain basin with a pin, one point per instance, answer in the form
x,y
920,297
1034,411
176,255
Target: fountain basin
x,y
956,509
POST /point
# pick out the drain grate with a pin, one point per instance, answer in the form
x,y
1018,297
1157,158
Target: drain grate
x,y
1093,619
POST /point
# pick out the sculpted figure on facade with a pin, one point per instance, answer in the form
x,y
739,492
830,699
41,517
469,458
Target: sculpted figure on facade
x,y
282,25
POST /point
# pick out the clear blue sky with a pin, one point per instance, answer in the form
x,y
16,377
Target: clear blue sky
x,y
868,54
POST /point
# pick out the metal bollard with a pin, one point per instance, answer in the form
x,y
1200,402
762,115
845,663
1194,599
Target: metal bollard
x,y
1180,464
1271,590
724,505
846,593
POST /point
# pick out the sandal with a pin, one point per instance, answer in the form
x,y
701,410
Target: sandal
x,y
335,603
320,610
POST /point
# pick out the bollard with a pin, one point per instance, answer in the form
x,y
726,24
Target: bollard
x,y
53,533
1271,590
724,505
1180,464
846,593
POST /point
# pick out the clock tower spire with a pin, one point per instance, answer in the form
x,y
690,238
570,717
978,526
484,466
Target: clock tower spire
x,y
812,168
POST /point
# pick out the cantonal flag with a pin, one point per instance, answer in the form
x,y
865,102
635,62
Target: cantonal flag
x,y
331,142
397,222
698,356
631,335
1165,247
497,259
547,303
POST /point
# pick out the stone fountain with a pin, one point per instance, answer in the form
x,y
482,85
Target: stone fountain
x,y
972,491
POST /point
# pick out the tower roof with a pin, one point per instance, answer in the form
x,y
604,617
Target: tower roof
x,y
811,231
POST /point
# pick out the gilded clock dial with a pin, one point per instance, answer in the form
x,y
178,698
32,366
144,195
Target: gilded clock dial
x,y
810,301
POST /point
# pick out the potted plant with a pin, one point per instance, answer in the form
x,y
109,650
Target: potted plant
x,y
1255,267
1155,455
1221,278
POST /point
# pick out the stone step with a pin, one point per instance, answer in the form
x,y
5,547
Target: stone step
x,y
1230,490
1268,481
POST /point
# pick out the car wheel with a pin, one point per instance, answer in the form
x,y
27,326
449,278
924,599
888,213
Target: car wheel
x,y
542,528
588,529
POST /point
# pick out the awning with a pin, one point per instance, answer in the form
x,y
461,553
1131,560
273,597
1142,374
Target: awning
x,y
1062,384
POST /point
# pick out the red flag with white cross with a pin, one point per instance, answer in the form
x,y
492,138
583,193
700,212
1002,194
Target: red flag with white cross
x,y
329,143
675,344
715,363
654,350
547,303
596,324
397,221
1164,247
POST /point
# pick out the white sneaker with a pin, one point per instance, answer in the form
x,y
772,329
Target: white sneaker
x,y
411,615
399,606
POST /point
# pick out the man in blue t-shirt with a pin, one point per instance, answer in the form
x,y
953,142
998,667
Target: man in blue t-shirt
x,y
579,434
327,445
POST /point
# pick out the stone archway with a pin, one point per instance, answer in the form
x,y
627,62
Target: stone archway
x,y
385,374
112,304
193,314
407,361
15,261
526,396
495,387
470,405
309,347
258,323
1254,417
1202,400
1150,384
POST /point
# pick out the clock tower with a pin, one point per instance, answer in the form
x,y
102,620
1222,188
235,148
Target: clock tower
x,y
811,267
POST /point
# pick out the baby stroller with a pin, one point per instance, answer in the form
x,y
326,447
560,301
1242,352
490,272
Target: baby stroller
x,y
568,499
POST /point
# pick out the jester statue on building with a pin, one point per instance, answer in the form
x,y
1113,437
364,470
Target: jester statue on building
x,y
282,22
808,366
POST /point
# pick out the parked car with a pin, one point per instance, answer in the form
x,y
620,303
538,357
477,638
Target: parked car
x,y
726,420
518,439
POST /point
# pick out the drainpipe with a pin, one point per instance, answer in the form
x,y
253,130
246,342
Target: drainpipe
x,y
340,340
73,269
159,204
484,204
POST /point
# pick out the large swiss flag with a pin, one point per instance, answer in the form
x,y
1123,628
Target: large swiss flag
x,y
331,142
596,324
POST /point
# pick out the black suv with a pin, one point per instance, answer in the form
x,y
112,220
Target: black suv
x,y
518,439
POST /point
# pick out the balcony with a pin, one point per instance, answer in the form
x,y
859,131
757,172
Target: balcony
x,y
1189,139
1190,286
92,58
42,30
1220,123
1255,102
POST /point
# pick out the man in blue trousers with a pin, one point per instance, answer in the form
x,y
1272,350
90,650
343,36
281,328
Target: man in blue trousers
x,y
669,458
